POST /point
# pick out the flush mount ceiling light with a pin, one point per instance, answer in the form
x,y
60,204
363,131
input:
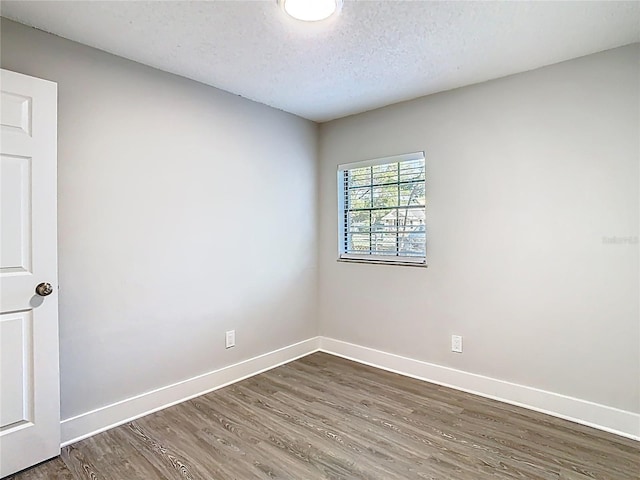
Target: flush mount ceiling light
x,y
310,10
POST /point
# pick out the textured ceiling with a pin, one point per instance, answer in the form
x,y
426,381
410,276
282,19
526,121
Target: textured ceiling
x,y
373,54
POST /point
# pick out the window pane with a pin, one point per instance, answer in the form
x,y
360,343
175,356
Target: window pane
x,y
358,243
359,176
385,173
412,244
359,198
411,219
412,194
383,243
385,196
358,221
384,220
413,170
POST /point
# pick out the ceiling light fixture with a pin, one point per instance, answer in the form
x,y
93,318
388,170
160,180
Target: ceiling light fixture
x,y
311,10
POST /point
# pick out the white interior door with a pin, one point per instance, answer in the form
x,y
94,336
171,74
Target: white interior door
x,y
29,381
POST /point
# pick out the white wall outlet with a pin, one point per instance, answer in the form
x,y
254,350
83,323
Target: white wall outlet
x,y
456,343
230,339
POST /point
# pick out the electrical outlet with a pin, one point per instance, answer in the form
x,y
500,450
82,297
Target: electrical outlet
x,y
230,339
456,343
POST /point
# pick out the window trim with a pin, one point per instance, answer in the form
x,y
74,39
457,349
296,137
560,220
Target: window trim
x,y
375,259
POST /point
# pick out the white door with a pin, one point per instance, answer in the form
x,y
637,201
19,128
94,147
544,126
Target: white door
x,y
29,382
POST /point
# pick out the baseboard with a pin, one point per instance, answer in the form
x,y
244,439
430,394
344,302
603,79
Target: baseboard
x,y
602,417
96,421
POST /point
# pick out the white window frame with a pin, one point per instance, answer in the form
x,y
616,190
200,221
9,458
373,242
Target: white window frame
x,y
342,227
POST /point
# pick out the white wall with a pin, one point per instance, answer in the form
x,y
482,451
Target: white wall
x,y
184,211
526,175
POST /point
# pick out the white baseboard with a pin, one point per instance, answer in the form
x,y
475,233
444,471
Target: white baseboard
x,y
96,421
620,422
602,417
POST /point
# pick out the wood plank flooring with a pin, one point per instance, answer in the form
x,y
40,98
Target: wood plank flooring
x,y
323,417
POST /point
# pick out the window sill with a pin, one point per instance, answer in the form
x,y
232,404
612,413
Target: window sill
x,y
399,263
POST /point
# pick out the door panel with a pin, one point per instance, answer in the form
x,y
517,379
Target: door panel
x,y
15,215
16,113
16,378
29,381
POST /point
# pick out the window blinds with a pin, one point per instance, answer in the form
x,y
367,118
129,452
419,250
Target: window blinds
x,y
382,209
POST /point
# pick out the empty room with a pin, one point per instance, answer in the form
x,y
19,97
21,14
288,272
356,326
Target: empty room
x,y
320,239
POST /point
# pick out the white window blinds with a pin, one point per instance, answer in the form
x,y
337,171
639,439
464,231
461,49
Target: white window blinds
x,y
382,210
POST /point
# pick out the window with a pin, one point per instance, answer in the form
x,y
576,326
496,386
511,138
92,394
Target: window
x,y
382,210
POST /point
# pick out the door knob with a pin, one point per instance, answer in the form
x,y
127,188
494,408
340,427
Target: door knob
x,y
44,289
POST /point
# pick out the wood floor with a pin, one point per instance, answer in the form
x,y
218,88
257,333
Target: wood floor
x,y
323,417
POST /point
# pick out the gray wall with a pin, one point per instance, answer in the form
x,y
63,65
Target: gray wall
x,y
526,175
184,211
158,176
